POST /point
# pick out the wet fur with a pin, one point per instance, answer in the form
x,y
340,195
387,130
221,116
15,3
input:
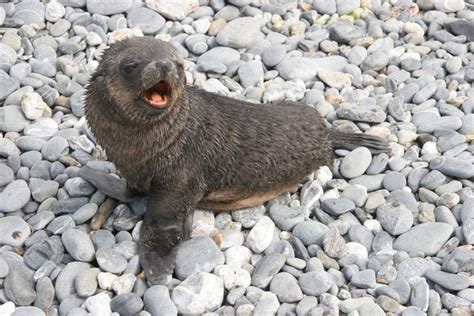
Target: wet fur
x,y
205,150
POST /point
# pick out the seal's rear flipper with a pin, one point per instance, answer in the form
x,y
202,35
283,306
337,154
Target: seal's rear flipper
x,y
375,144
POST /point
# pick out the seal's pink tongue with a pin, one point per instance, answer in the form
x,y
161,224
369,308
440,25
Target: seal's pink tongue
x,y
157,96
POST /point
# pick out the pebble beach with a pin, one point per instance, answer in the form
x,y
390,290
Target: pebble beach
x,y
369,235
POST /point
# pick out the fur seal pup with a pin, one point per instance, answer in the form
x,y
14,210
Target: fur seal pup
x,y
184,147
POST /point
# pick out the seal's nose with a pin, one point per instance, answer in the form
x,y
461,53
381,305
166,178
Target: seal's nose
x,y
158,69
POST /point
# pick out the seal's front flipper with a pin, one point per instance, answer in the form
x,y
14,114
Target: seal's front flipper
x,y
167,223
109,184
375,144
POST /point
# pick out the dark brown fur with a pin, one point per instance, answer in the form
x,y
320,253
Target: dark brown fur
x,y
204,150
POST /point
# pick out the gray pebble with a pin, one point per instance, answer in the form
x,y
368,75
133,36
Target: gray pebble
x,y
450,281
86,283
266,268
285,286
45,293
232,36
127,304
78,245
430,238
197,254
157,300
315,283
111,261
15,195
310,232
18,289
395,218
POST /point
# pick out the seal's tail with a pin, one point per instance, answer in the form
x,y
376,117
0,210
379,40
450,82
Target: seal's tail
x,y
375,144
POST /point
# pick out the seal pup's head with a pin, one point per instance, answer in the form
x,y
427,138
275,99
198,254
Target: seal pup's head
x,y
143,76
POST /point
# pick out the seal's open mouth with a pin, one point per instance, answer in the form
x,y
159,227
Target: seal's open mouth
x,y
158,96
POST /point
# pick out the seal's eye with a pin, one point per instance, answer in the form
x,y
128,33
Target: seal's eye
x,y
129,67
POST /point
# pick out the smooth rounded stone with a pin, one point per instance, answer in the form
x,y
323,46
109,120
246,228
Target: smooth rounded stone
x,y
9,85
15,195
349,305
232,36
467,127
248,217
266,268
55,148
28,311
315,283
449,281
201,292
43,189
86,283
430,237
453,166
78,245
445,122
260,236
43,128
13,231
355,163
110,260
347,6
78,187
286,217
337,206
197,254
310,232
375,61
18,289
7,55
356,193
364,279
335,79
306,69
30,12
54,11
370,309
4,269
127,304
64,284
12,119
395,218
145,19
448,6
98,304
394,181
372,182
173,10
251,73
8,148
29,143
157,301
45,293
108,7
28,159
285,286
85,213
103,238
224,55
6,175
33,106
273,55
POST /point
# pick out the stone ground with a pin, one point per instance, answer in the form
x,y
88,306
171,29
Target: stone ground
x,y
371,235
